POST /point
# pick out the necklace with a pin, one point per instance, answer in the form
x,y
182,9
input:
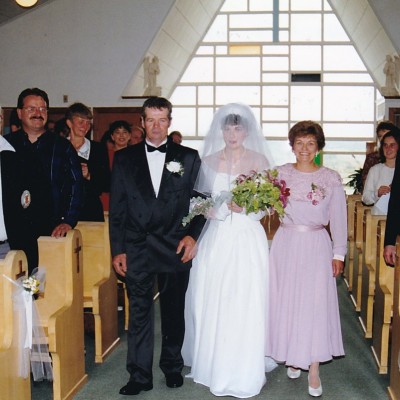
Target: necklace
x,y
232,161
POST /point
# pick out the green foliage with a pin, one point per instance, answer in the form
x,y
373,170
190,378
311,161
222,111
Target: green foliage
x,y
198,206
356,181
260,192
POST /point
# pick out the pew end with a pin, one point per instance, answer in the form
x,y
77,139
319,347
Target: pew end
x,y
100,289
383,306
12,386
369,269
60,311
349,262
358,253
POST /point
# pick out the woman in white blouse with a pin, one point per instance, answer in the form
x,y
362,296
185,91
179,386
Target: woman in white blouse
x,y
379,179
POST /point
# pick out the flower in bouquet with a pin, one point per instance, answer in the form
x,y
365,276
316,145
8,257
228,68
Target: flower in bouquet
x,y
198,206
31,285
261,191
316,195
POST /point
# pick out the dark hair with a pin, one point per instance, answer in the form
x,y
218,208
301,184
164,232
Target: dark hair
x,y
304,128
78,110
120,124
14,120
395,134
32,92
61,128
384,126
106,137
157,102
177,133
233,120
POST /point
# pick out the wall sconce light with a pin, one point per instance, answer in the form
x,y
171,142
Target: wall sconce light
x,y
26,3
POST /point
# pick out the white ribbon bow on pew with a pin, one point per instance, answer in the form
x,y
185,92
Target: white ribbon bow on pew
x,y
32,340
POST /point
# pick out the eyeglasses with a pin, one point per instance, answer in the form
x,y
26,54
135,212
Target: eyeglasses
x,y
31,110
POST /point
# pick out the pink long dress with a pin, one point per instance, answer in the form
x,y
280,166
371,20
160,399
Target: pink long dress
x,y
304,323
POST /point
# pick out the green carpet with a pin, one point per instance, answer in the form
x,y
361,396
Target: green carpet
x,y
353,377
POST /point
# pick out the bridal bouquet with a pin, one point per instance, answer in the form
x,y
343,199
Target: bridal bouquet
x,y
258,191
261,191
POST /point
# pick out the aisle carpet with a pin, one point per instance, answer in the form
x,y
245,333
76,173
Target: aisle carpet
x,y
353,377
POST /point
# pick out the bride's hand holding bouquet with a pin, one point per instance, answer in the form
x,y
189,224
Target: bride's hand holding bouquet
x,y
255,193
261,191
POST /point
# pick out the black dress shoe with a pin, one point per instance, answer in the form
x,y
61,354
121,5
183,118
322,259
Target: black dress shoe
x,y
132,388
174,380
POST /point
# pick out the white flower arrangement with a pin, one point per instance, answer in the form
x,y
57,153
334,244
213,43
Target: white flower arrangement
x,y
31,285
175,167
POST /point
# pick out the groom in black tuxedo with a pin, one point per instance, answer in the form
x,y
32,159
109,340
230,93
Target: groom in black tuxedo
x,y
151,186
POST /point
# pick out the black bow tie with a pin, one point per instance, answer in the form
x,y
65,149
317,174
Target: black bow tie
x,y
161,149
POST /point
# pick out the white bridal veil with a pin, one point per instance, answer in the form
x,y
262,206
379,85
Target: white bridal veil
x,y
254,154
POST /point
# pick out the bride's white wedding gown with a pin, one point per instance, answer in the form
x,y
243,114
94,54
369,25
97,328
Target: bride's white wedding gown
x,y
226,310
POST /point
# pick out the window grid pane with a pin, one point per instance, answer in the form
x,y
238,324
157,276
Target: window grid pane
x,y
261,78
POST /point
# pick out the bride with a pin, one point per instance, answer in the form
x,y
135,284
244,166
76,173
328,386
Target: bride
x,y
226,310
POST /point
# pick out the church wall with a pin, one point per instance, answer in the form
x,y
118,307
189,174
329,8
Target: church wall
x,y
87,50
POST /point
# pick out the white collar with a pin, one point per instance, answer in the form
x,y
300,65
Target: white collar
x,y
5,145
84,150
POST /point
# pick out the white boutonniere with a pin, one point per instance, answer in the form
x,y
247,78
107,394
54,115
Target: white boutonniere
x,y
175,167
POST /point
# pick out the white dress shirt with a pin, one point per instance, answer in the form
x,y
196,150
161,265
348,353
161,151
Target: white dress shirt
x,y
4,145
156,161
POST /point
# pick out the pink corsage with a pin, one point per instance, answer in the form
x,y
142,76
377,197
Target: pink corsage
x,y
316,195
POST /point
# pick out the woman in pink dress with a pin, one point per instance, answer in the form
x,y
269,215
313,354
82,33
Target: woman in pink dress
x,y
304,326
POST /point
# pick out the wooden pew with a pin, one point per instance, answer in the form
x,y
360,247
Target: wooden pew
x,y
369,267
100,290
349,262
12,386
394,384
60,311
383,306
358,254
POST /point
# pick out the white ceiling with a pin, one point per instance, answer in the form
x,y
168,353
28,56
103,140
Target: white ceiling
x,y
370,23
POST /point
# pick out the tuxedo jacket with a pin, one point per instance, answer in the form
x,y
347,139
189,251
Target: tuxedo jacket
x,y
145,227
393,219
12,189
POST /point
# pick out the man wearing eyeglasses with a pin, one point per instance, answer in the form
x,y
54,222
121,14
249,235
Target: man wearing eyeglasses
x,y
51,175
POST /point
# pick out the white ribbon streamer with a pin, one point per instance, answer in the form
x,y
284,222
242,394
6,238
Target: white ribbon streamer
x,y
33,348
